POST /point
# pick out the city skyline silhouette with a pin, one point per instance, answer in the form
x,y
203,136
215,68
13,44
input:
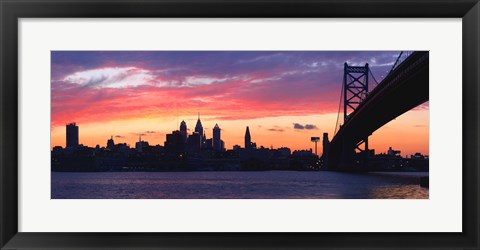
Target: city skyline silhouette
x,y
284,97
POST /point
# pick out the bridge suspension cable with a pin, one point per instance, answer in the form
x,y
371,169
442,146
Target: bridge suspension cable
x,y
401,57
338,112
376,82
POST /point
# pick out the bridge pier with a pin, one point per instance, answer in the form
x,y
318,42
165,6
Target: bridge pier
x,y
346,158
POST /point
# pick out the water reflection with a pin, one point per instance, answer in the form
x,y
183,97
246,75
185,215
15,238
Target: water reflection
x,y
236,185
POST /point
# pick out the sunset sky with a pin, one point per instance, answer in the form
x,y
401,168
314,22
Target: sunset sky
x,y
285,97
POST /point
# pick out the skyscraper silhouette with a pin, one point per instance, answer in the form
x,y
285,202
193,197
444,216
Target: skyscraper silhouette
x,y
248,139
199,127
110,143
204,138
194,142
183,131
175,142
217,143
326,144
72,135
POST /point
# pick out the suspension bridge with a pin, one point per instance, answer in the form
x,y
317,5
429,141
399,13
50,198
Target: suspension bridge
x,y
364,111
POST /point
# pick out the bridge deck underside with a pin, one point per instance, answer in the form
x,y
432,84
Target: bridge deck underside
x,y
387,104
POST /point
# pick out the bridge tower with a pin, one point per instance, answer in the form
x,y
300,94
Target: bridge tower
x,y
355,90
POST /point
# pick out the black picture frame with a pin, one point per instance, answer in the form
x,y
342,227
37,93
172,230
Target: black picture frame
x,y
11,11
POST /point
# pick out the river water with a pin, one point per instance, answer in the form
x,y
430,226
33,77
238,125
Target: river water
x,y
237,185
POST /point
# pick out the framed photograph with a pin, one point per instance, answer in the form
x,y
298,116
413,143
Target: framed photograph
x,y
208,124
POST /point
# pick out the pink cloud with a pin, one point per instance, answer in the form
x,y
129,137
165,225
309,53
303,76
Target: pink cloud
x,y
232,100
248,89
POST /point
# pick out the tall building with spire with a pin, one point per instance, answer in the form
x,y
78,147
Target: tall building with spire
x,y
183,131
248,139
141,145
110,143
217,142
199,127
